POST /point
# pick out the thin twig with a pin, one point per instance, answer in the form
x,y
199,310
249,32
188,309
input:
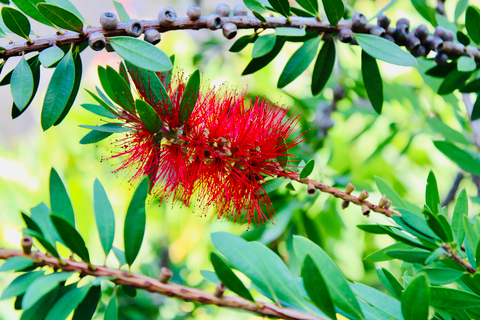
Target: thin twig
x,y
453,191
457,258
154,285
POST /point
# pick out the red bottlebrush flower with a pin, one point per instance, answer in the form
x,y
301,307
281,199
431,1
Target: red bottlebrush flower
x,y
221,153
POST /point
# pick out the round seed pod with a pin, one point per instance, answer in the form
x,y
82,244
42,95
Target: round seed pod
x,y
450,35
345,35
134,28
440,32
441,58
108,47
412,42
194,12
152,36
383,21
166,17
378,31
400,33
422,32
222,10
229,30
96,41
434,43
239,10
214,21
389,38
403,21
419,51
108,20
359,21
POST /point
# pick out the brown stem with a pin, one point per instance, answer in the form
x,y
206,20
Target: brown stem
x,y
454,256
154,285
451,194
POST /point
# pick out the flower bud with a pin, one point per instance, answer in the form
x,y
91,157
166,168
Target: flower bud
x,y
345,35
222,10
383,21
422,32
214,21
134,28
194,12
364,195
166,17
96,41
152,36
108,20
378,31
359,21
350,188
229,30
365,210
311,189
27,245
441,58
239,10
383,201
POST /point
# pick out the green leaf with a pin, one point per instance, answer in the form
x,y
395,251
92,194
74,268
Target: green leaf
x,y
119,89
390,282
432,198
104,104
122,13
384,50
135,222
378,299
111,312
323,66
255,5
334,10
61,17
44,242
391,194
290,32
70,236
339,289
50,56
299,62
42,286
149,117
462,37
460,8
58,91
425,11
309,5
22,84
290,186
476,109
317,288
59,199
259,17
67,303
454,80
86,309
466,64
141,53
453,299
409,255
16,22
41,215
462,158
108,127
447,132
228,277
472,16
210,276
263,45
241,43
272,185
16,264
416,299
472,237
120,255
460,211
190,97
282,7
261,265
95,136
98,110
18,286
29,7
308,169
372,81
129,291
439,276
103,216
67,5
258,63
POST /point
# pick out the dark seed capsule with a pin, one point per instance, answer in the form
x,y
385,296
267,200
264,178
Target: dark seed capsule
x,y
389,38
412,42
214,21
222,10
400,33
434,43
239,10
152,36
166,17
383,21
345,35
422,32
96,41
378,31
441,58
359,21
403,21
450,36
108,21
419,51
229,30
194,12
134,28
440,32
108,47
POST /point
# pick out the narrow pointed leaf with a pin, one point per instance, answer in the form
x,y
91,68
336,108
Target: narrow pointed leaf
x,y
120,89
317,288
122,13
384,50
372,81
148,115
282,7
111,312
229,278
42,286
453,81
472,16
104,104
98,110
390,282
299,62
416,299
323,66
309,5
334,10
290,32
67,303
18,286
103,216
425,10
263,45
460,211
141,53
86,309
472,238
378,299
135,222
16,22
70,236
258,63
22,84
190,96
432,198
108,127
308,169
466,64
241,43
50,56
67,5
453,298
120,255
439,276
95,136
29,7
16,264
61,17
463,159
59,199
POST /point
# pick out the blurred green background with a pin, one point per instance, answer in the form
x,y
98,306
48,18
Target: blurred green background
x,y
396,146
